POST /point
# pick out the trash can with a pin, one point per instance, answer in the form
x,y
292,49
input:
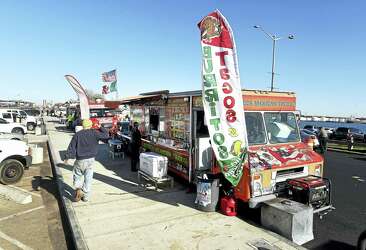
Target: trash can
x,y
207,193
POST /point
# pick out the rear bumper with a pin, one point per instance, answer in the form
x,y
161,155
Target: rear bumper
x,y
28,161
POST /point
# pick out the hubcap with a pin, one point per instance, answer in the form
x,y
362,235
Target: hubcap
x,y
11,172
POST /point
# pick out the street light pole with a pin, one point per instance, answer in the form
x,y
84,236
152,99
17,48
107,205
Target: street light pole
x,y
274,38
273,62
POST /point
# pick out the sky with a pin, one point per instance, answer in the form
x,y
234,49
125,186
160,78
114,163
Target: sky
x,y
155,45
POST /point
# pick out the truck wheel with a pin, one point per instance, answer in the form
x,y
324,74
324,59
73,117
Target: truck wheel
x,y
17,131
11,171
31,126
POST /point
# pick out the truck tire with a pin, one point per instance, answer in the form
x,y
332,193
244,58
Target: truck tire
x,y
31,126
17,131
11,171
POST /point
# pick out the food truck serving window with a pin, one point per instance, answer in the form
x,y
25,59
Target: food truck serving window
x,y
255,128
281,127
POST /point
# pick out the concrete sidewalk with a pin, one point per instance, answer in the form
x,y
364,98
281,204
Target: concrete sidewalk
x,y
122,215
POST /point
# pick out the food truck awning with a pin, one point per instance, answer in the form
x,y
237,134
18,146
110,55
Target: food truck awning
x,y
133,99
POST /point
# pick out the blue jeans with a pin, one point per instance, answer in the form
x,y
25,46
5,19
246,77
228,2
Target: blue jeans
x,y
83,168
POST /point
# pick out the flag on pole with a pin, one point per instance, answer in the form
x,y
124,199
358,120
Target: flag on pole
x,y
222,97
109,82
113,86
109,76
105,89
109,87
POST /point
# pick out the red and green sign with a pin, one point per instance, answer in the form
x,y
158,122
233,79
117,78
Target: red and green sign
x,y
222,97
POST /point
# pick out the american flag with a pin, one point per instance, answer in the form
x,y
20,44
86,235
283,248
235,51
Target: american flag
x,y
109,76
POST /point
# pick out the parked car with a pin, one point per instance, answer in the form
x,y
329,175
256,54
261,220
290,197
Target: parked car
x,y
329,130
9,116
30,121
11,127
357,134
312,128
341,133
15,156
309,138
12,136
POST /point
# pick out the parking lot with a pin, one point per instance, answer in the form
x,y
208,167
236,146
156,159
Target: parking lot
x,y
39,224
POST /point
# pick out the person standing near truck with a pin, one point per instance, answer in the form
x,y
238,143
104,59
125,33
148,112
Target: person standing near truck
x,y
135,146
84,147
323,140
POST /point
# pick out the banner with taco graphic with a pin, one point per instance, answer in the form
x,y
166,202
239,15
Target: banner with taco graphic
x,y
221,96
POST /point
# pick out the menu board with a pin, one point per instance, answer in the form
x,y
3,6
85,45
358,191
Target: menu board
x,y
177,119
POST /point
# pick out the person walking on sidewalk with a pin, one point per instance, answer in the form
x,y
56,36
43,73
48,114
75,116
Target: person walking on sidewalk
x,y
323,140
84,147
135,146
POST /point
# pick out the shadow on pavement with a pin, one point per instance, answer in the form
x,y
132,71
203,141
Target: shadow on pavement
x,y
335,245
63,129
49,184
127,181
360,158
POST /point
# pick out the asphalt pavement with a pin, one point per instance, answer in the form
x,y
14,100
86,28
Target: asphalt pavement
x,y
340,228
39,224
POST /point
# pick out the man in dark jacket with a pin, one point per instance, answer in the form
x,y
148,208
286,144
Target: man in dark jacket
x,y
135,146
84,147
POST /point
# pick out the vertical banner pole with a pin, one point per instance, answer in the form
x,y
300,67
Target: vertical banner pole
x,y
222,96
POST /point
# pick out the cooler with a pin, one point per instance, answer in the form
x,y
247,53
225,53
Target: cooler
x,y
290,219
153,164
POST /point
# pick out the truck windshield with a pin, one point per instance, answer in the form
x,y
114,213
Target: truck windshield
x,y
281,127
255,128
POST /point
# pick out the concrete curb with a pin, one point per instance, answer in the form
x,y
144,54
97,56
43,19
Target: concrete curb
x,y
77,234
345,151
14,194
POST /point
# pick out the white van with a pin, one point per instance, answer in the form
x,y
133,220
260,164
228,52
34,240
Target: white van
x,y
30,121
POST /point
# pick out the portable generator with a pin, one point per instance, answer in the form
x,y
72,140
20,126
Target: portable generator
x,y
311,190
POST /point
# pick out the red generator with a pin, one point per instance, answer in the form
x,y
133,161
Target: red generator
x,y
228,205
311,190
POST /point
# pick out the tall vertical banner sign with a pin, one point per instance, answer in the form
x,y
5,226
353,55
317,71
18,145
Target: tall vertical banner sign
x,y
83,97
222,97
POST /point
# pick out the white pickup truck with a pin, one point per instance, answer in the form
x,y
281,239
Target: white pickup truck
x,y
12,127
15,156
28,120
